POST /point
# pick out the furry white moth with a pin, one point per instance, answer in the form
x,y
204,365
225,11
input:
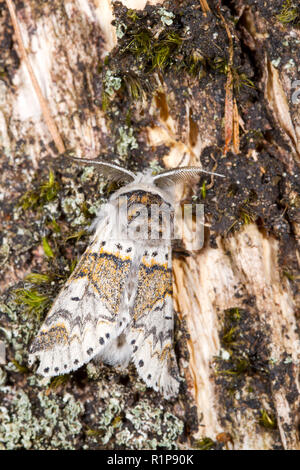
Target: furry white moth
x,y
117,305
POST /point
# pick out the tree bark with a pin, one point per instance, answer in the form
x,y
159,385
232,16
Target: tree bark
x,y
236,299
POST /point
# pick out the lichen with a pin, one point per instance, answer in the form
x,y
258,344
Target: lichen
x,y
87,173
120,30
148,421
140,425
166,16
126,141
112,83
21,427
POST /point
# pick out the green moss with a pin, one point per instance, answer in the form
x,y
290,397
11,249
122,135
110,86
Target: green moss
x,y
232,342
203,190
231,326
36,278
59,381
239,78
105,101
47,248
163,50
289,13
45,193
196,64
54,226
229,336
242,80
94,432
76,235
204,444
32,301
132,15
135,87
290,276
20,368
233,314
139,43
152,52
247,217
267,420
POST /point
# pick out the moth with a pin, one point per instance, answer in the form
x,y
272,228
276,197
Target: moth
x,y
117,305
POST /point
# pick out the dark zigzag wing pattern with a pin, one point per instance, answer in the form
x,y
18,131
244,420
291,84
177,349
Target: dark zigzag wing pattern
x,y
151,330
84,318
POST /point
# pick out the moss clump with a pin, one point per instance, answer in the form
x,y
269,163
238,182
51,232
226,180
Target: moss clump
x,y
289,14
205,444
46,192
238,354
59,381
33,301
239,78
151,52
162,39
267,420
47,248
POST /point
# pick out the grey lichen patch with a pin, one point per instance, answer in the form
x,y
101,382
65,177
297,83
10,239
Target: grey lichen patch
x,y
112,83
128,416
3,376
126,141
4,250
22,428
2,352
146,427
71,206
16,332
166,16
148,421
155,166
120,30
87,173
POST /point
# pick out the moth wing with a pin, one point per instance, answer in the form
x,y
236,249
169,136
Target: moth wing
x,y
85,317
151,331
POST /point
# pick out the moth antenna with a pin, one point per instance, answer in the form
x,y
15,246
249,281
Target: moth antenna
x,y
112,171
179,175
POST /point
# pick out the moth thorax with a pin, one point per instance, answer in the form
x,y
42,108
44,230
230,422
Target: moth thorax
x,y
146,216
